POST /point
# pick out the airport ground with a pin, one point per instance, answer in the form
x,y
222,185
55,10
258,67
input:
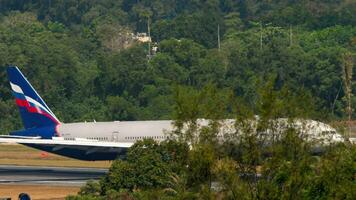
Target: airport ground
x,y
13,154
61,177
36,192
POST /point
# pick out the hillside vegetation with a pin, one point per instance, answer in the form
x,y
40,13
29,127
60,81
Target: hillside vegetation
x,y
81,57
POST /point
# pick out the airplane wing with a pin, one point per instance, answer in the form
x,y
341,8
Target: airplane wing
x,y
78,142
19,137
78,148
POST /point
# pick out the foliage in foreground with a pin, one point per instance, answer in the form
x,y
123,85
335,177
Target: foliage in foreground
x,y
246,165
301,176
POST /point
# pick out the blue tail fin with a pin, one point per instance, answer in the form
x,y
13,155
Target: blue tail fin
x,y
34,112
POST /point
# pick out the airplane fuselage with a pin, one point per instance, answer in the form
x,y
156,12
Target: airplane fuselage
x,y
117,131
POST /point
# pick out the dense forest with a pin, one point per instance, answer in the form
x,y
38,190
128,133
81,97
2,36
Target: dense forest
x,y
211,59
81,56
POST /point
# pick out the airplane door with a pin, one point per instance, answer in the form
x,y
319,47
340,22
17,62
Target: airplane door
x,y
115,136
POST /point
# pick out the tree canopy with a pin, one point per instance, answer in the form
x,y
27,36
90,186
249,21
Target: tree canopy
x,y
81,55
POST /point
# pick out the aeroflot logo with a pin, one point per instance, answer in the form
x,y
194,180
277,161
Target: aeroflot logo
x,y
30,104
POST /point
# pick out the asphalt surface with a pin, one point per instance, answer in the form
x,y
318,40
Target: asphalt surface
x,y
38,175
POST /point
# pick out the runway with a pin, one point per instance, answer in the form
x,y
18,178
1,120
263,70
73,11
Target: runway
x,y
38,175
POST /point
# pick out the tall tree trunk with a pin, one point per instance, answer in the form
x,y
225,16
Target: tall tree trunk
x,y
347,77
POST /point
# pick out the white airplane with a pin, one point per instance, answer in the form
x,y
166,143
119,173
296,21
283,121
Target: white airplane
x,y
87,140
